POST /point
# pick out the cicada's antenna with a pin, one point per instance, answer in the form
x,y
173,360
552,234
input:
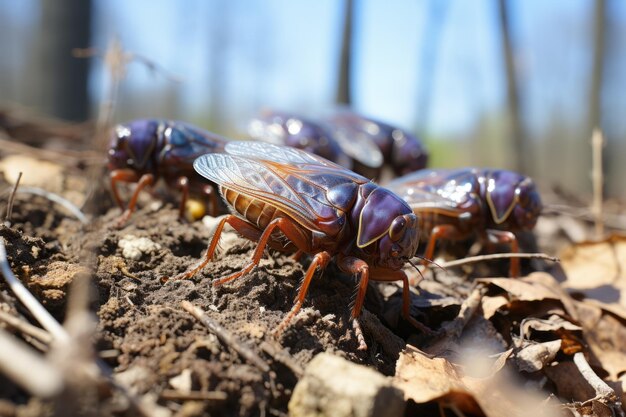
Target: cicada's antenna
x,y
417,269
430,261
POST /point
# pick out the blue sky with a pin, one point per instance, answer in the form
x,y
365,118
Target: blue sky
x,y
283,54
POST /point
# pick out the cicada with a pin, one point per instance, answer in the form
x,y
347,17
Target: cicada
x,y
456,204
297,202
145,150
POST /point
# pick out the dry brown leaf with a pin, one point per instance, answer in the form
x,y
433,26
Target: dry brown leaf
x,y
538,286
424,378
522,290
491,304
569,382
606,336
598,270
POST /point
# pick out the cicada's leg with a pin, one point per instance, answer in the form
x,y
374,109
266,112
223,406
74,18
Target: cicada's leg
x,y
183,185
121,175
444,231
320,261
289,228
501,236
144,181
212,195
358,267
236,223
380,274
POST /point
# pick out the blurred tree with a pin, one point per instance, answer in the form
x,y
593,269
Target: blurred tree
x,y
59,80
595,91
431,35
343,84
513,98
221,23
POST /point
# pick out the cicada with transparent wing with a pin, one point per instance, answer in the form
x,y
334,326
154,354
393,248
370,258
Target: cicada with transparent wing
x,y
456,204
322,209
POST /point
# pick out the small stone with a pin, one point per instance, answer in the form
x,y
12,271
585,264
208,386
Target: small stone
x,y
135,247
332,386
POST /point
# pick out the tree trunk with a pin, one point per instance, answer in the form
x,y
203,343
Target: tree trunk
x,y
62,87
513,97
343,84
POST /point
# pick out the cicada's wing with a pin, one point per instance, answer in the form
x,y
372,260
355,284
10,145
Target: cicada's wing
x,y
450,192
293,181
184,142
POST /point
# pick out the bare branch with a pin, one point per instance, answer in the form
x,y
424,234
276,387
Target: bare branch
x,y
481,258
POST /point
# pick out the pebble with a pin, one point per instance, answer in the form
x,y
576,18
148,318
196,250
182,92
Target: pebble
x,y
333,386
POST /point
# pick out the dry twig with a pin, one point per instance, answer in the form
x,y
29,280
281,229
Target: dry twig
x,y
55,198
282,356
597,141
225,336
28,369
481,258
25,327
7,219
604,393
454,328
30,302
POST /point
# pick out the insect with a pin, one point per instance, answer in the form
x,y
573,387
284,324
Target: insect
x,y
287,129
319,208
456,204
144,150
402,151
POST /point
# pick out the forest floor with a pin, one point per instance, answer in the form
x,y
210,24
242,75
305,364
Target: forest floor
x,y
552,342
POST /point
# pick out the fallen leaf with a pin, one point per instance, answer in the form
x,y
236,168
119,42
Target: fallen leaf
x,y
598,270
424,378
606,335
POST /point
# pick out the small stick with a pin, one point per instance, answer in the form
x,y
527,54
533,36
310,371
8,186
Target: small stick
x,y
28,299
455,327
225,336
170,394
7,219
55,198
283,357
26,328
480,258
604,393
597,141
28,369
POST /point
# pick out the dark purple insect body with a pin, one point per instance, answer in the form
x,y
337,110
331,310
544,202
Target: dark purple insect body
x,y
456,204
402,151
144,150
281,128
298,202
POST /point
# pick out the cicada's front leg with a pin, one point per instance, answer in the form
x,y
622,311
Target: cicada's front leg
x,y
126,175
504,237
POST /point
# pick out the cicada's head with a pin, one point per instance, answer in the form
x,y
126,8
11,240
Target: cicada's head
x,y
132,144
513,200
387,222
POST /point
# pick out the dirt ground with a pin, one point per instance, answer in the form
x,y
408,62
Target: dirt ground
x,y
161,359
